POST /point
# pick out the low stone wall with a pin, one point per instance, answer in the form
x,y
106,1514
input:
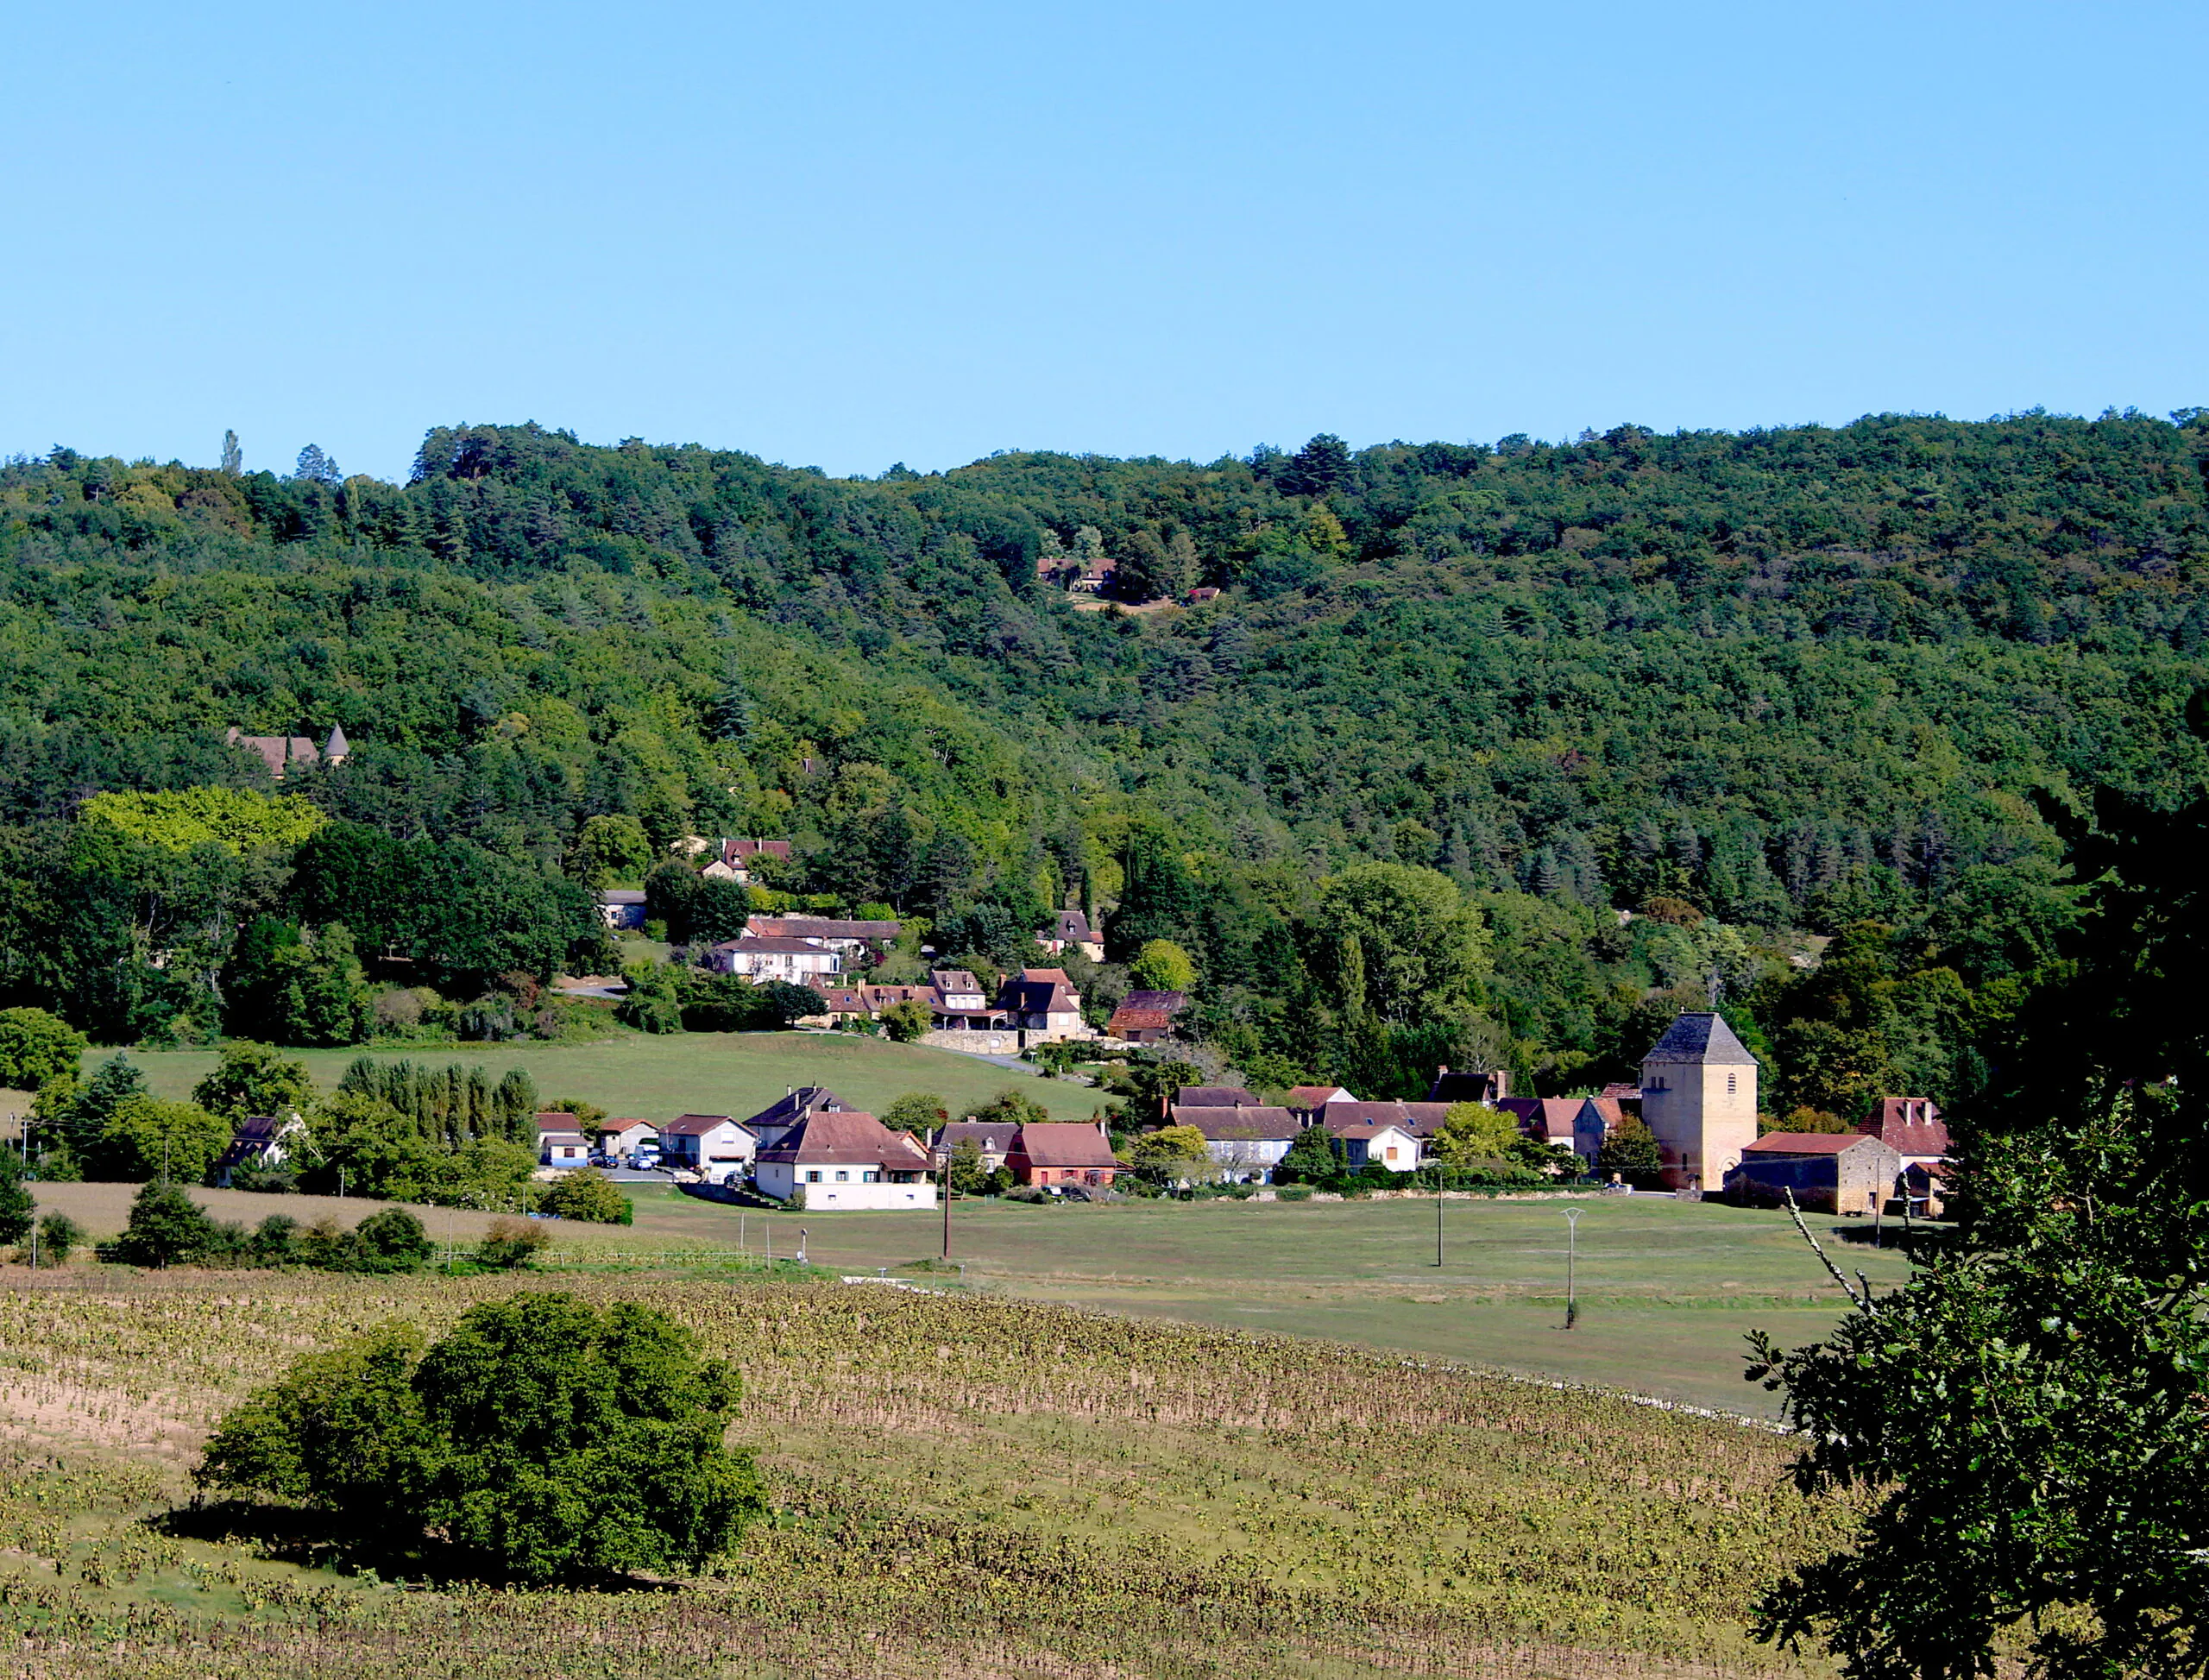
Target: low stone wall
x,y
1009,1042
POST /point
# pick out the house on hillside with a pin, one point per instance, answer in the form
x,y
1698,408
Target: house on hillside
x,y
713,1146
797,961
735,858
1246,1144
843,1160
1071,928
1056,1154
1306,1100
620,908
961,1005
1043,1005
859,943
284,753
1147,1016
993,1140
1829,1172
1910,1126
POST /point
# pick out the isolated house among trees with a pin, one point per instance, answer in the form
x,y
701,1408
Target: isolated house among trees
x,y
795,961
282,754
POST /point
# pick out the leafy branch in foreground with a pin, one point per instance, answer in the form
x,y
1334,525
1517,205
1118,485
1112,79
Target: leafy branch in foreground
x,y
2035,1404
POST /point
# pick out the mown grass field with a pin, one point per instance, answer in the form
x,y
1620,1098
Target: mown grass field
x,y
967,1485
1667,1290
657,1079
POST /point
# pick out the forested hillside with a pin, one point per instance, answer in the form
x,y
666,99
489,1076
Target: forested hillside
x,y
1753,687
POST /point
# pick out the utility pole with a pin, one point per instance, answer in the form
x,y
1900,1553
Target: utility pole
x,y
1572,1266
1437,1213
946,1204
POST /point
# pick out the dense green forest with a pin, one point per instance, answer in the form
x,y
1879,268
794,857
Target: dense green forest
x,y
1762,689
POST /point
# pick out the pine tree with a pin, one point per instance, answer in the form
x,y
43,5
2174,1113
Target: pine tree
x,y
233,457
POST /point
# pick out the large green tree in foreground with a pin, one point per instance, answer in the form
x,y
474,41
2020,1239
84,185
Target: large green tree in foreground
x,y
2033,1408
542,1438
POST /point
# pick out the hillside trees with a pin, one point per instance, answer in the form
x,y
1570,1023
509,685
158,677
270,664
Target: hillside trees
x,y
2026,1410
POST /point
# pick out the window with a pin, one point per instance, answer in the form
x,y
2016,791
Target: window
x,y
842,1176
1392,1152
814,1177
869,1178
1729,1085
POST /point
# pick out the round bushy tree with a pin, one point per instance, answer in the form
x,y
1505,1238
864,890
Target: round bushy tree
x,y
544,1439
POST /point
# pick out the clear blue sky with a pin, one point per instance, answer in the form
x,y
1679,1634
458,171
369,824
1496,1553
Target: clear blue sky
x,y
846,235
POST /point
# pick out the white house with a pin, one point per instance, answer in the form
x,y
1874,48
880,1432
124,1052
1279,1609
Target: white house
x,y
563,1150
1245,1142
712,1145
841,1160
1389,1145
846,937
795,960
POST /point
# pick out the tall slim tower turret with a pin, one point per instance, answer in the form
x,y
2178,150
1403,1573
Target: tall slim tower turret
x,y
1699,1098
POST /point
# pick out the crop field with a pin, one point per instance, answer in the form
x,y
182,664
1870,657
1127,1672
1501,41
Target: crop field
x,y
658,1077
967,1485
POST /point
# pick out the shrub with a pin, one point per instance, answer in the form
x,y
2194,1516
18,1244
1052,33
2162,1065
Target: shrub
x,y
166,1227
544,1439
512,1244
58,1236
1293,1193
391,1240
589,1195
905,1023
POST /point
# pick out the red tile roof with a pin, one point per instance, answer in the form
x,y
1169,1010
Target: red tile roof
x,y
697,1125
1806,1143
845,1137
1063,1143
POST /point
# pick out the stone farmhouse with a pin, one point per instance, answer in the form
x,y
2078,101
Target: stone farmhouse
x,y
1827,1171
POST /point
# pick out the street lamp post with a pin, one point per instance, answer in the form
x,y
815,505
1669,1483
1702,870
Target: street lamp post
x,y
1437,1213
1572,1266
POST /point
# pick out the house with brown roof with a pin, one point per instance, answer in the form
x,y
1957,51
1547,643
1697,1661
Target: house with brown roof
x,y
1246,1142
842,1161
796,1103
1214,1095
560,1141
1071,928
283,753
1597,1122
1307,1099
713,1146
852,939
1419,1120
1910,1126
759,958
736,859
1147,1016
1829,1172
621,1137
1055,1154
1043,1005
993,1140
1389,1144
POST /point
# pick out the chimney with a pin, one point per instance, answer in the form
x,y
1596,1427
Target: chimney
x,y
1501,1079
1443,1069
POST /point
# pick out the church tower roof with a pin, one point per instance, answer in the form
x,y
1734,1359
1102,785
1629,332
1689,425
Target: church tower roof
x,y
338,746
1704,1038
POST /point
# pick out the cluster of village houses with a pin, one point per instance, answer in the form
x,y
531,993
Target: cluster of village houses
x,y
1697,1096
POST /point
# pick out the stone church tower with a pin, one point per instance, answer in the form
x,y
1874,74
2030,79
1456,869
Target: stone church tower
x,y
1699,1098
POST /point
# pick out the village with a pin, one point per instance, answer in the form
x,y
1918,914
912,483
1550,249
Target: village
x,y
1696,1101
